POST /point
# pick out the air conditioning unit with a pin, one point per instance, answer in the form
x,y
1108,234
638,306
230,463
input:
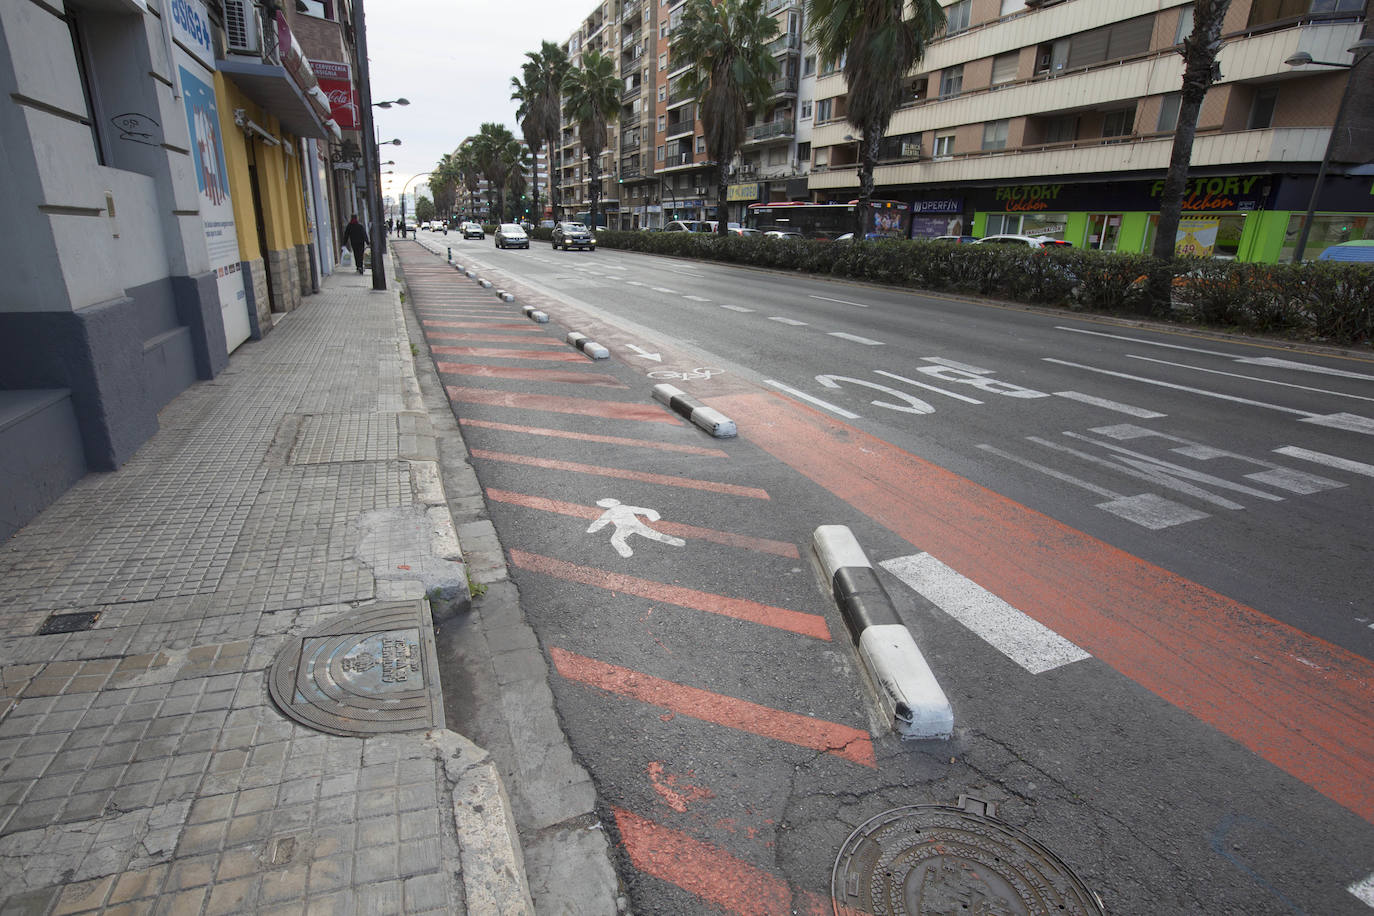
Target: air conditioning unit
x,y
242,32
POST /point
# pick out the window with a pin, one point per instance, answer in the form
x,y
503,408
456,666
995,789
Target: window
x,y
1262,108
1168,110
809,65
1062,129
663,92
83,65
1012,6
951,81
663,61
1111,42
777,155
805,110
1119,123
1185,24
957,16
1004,67
944,146
995,134
803,152
662,123
701,144
663,29
659,154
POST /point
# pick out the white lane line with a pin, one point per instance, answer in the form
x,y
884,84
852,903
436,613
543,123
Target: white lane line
x,y
737,308
856,339
1305,414
1141,471
911,381
1127,409
1331,461
1364,890
1150,463
955,364
663,289
838,411
1141,340
1249,378
1277,363
1347,421
1147,510
840,301
696,298
1019,637
791,321
633,283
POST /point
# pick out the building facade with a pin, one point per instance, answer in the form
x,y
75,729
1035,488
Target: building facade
x,y
1056,118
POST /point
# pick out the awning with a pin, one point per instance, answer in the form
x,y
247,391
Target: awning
x,y
273,88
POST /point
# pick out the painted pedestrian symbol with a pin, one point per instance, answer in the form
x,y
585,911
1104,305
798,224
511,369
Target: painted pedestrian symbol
x,y
626,521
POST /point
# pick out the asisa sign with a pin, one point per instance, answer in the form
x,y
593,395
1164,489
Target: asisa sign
x,y
191,30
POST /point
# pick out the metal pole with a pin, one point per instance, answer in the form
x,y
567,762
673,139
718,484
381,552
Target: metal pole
x,y
1306,229
370,157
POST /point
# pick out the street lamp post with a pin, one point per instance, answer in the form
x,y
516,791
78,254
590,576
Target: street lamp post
x,y
1302,59
403,194
370,157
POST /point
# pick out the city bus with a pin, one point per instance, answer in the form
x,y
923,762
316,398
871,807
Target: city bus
x,y
887,219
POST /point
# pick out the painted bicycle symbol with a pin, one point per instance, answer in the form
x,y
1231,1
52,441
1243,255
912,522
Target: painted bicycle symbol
x,y
691,375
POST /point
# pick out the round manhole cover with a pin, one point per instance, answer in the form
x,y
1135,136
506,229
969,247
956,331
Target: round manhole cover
x,y
935,860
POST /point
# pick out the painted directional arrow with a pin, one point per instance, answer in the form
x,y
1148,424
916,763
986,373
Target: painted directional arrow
x,y
656,357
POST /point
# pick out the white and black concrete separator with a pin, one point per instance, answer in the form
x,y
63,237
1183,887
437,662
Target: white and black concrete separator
x,y
505,296
485,284
533,314
708,418
910,696
588,346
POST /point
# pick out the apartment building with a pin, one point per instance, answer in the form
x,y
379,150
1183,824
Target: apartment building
x,y
1056,118
600,31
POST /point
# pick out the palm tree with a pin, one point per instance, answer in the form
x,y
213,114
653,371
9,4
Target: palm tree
x,y
593,92
541,95
465,163
731,71
878,47
443,181
497,152
518,182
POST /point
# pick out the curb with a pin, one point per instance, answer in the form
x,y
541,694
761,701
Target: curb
x,y
910,696
533,314
588,346
708,418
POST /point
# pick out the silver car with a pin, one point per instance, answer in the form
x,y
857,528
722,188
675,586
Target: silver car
x,y
509,235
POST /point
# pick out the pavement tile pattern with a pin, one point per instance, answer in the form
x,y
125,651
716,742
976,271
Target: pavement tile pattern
x,y
142,765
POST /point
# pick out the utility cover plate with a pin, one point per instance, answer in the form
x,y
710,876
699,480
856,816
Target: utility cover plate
x,y
938,860
364,674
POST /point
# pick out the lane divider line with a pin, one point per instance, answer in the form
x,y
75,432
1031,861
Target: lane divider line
x,y
588,346
779,618
708,418
678,529
910,696
687,483
793,728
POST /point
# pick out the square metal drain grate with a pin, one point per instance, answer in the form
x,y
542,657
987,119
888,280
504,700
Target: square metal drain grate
x,y
69,623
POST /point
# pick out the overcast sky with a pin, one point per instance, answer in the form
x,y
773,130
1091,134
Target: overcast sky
x,y
453,59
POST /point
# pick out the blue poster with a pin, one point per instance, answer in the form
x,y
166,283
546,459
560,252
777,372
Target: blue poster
x,y
207,148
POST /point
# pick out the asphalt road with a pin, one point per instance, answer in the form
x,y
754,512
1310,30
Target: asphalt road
x,y
1182,520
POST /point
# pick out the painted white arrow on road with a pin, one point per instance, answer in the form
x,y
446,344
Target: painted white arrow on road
x,y
656,357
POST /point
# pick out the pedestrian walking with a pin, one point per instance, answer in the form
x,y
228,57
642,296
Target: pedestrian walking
x,y
355,237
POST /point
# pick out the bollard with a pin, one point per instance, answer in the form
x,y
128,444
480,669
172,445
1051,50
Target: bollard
x,y
450,255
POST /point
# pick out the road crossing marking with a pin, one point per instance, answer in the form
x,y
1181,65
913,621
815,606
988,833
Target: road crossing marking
x,y
1023,639
717,708
1331,461
575,510
1363,890
803,624
856,339
552,376
613,410
839,411
592,437
666,480
548,356
708,872
1127,409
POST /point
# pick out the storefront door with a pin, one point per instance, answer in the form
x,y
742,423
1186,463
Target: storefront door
x,y
1103,230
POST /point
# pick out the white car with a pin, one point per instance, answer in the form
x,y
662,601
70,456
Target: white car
x,y
1023,241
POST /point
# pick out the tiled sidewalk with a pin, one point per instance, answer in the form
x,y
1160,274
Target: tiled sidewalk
x,y
143,767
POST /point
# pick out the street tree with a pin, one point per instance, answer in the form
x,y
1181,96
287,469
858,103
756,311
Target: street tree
x,y
497,153
540,93
879,41
1199,72
465,163
593,98
731,72
443,181
424,209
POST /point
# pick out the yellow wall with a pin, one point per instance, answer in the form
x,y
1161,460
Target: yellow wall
x,y
279,177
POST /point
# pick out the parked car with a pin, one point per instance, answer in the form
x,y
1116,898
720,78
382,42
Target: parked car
x,y
509,235
782,234
704,225
1024,241
573,235
1355,250
955,239
473,230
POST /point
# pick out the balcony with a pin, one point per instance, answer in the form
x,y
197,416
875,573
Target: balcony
x,y
681,128
631,93
785,85
771,130
629,171
630,39
783,43
775,6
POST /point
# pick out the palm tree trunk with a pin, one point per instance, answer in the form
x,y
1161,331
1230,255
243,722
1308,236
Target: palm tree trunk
x,y
594,187
722,209
868,160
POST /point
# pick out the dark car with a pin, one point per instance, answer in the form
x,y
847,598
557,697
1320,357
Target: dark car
x,y
573,235
473,230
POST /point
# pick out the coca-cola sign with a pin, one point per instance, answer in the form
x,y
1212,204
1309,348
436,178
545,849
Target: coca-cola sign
x,y
337,82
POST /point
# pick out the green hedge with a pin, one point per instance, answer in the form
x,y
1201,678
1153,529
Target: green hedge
x,y
1321,301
